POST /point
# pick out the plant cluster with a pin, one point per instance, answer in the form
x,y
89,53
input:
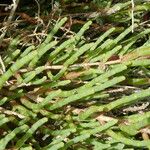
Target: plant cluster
x,y
73,92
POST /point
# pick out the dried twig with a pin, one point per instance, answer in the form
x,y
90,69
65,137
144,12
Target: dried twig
x,y
12,12
136,108
2,64
132,15
8,112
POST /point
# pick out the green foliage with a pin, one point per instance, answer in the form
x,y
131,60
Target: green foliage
x,y
63,94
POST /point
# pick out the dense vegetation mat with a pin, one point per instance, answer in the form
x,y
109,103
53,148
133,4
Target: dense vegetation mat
x,y
71,92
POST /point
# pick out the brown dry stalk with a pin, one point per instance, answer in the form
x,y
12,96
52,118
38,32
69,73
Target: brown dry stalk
x,y
8,112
